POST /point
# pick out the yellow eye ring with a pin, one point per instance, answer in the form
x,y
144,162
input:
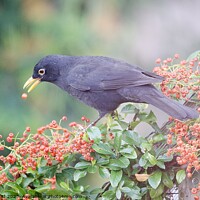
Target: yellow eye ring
x,y
41,72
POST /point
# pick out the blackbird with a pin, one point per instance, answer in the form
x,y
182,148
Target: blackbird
x,y
104,83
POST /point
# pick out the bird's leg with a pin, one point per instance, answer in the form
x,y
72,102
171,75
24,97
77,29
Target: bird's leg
x,y
93,123
112,114
136,115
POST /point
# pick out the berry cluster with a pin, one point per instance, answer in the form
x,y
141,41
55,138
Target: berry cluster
x,y
52,181
52,143
26,197
187,145
181,79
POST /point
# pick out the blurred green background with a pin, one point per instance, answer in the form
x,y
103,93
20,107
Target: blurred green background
x,y
136,31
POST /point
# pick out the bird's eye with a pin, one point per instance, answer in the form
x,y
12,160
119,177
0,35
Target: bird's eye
x,y
41,72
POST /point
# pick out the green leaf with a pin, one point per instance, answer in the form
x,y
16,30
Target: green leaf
x,y
171,173
131,138
8,193
157,129
133,192
143,190
118,194
158,198
126,190
158,138
96,191
129,152
66,174
10,176
115,177
154,193
104,172
155,179
133,124
92,169
69,158
79,189
43,188
65,186
79,174
167,181
94,133
36,183
116,164
160,164
117,141
102,161
19,180
180,176
17,188
165,158
42,162
151,159
108,195
115,127
103,148
124,125
143,161
32,192
27,181
150,118
48,171
129,109
82,165
146,146
58,191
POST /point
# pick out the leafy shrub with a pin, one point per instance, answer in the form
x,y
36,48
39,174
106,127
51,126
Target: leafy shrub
x,y
53,161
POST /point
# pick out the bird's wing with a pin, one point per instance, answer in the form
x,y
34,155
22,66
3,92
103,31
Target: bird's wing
x,y
130,78
94,78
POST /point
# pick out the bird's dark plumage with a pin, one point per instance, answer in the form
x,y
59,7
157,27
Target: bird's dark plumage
x,y
104,83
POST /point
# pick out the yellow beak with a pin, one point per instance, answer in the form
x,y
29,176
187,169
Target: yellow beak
x,y
31,83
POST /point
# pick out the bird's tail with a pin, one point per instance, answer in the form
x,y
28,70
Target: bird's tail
x,y
149,94
173,108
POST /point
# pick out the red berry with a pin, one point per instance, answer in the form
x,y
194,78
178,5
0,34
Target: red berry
x,y
158,60
169,60
11,135
72,124
25,135
22,139
189,175
24,96
176,56
1,148
196,198
9,139
194,190
64,118
87,120
83,118
28,129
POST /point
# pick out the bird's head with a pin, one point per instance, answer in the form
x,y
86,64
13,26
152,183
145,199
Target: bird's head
x,y
47,69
